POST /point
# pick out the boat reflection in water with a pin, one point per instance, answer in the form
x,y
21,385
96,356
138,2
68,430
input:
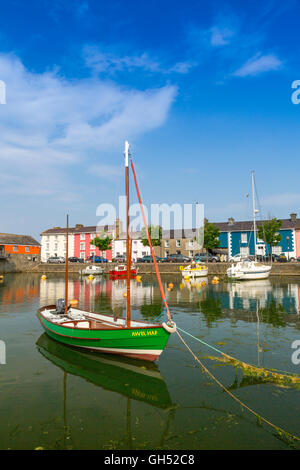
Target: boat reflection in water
x,y
131,378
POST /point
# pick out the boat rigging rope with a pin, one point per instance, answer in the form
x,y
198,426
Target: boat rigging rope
x,y
150,244
281,432
286,375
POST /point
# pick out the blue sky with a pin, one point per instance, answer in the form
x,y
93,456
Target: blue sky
x,y
201,89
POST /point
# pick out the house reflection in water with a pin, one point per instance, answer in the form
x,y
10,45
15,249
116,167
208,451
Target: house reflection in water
x,y
106,295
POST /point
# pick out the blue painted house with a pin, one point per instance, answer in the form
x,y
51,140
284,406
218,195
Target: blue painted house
x,y
238,237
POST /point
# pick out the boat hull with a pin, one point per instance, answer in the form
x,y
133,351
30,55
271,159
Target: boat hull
x,y
115,273
146,343
248,276
194,273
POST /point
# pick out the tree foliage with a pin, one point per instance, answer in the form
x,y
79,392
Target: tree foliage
x,y
103,242
211,236
155,233
268,232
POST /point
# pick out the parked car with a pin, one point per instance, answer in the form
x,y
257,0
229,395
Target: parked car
x,y
96,259
74,259
148,259
120,259
176,258
298,259
262,258
204,257
56,259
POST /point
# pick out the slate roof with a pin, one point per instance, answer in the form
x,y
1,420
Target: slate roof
x,y
86,229
13,239
236,226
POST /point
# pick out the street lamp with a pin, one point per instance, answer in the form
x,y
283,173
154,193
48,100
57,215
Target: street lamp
x,y
287,240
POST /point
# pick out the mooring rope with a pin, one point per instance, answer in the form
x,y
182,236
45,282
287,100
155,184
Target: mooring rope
x,y
279,430
284,374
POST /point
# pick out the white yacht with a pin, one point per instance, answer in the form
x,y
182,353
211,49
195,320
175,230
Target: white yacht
x,y
246,268
92,269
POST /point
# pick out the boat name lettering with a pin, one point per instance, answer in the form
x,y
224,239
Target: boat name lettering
x,y
144,333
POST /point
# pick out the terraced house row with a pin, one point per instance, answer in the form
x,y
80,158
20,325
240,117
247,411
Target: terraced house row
x,y
235,237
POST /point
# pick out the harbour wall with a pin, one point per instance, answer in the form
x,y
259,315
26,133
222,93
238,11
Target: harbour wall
x,y
217,269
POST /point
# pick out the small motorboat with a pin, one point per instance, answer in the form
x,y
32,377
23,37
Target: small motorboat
x,y
247,269
194,270
121,270
92,269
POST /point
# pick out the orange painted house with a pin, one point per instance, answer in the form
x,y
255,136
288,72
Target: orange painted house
x,y
11,244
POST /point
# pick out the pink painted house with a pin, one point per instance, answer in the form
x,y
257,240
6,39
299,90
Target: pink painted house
x,y
297,241
84,235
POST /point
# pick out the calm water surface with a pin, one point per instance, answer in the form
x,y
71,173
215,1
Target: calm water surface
x,y
56,397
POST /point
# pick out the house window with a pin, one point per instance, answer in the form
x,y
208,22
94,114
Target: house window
x,y
82,236
55,246
244,238
276,250
92,253
82,255
27,249
82,246
15,248
191,253
167,253
244,250
144,253
92,247
47,246
178,252
178,243
167,243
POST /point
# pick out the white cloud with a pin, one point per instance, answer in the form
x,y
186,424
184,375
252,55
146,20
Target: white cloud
x,y
220,36
100,60
289,200
51,124
259,64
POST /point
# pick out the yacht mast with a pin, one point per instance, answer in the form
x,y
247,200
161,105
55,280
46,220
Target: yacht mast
x,y
128,254
254,213
67,269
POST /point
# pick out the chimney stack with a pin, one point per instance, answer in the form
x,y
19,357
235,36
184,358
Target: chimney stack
x,y
230,221
293,217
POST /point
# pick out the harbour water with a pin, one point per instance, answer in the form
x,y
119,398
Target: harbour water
x,y
55,397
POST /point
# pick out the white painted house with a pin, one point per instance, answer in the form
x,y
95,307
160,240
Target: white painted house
x,y
138,249
55,244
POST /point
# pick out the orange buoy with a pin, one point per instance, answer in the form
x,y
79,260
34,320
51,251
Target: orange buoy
x,y
74,302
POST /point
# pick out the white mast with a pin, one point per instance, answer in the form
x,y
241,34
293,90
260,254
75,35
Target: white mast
x,y
255,211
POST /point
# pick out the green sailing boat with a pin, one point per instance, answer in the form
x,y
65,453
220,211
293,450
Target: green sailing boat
x,y
131,378
104,333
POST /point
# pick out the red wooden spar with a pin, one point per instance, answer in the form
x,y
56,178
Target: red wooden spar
x,y
128,254
150,244
67,269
